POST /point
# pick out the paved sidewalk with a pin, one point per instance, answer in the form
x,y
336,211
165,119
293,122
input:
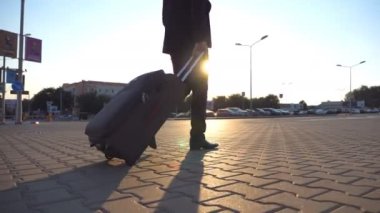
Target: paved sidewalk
x,y
317,164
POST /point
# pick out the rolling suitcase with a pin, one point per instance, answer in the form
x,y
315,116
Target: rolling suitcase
x,y
128,123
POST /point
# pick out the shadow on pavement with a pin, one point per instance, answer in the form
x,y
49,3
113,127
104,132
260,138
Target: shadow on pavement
x,y
187,184
82,189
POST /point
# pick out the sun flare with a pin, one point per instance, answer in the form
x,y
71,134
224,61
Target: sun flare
x,y
205,66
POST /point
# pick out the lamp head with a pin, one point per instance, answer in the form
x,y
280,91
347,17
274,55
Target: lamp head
x,y
264,37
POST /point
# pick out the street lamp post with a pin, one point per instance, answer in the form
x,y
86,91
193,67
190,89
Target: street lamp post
x,y
250,66
339,65
20,61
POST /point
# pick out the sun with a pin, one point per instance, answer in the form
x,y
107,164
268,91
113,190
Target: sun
x,y
205,66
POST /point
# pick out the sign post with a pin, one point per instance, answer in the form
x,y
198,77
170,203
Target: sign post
x,y
2,121
33,49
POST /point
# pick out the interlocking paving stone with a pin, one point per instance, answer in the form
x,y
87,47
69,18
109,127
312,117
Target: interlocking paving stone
x,y
249,192
299,180
304,164
129,182
348,189
5,177
361,174
213,182
336,178
168,182
373,194
238,203
367,182
5,185
346,209
19,206
303,205
255,172
101,193
122,205
198,193
8,196
48,196
254,181
182,204
300,191
149,194
43,185
359,202
219,173
64,207
148,175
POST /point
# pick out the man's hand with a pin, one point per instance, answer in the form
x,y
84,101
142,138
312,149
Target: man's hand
x,y
200,47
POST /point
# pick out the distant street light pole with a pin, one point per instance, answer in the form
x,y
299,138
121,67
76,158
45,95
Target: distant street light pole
x,y
3,85
20,60
350,96
250,66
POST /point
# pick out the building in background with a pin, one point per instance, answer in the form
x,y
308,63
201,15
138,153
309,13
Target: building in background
x,y
101,88
332,105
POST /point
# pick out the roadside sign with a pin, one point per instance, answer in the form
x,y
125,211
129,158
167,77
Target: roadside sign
x,y
33,49
8,44
11,75
17,86
23,92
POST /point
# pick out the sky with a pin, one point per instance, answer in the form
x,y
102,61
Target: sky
x,y
118,40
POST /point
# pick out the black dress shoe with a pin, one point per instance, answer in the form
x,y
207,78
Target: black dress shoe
x,y
153,144
202,144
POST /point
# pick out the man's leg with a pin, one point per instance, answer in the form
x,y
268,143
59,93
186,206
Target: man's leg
x,y
198,84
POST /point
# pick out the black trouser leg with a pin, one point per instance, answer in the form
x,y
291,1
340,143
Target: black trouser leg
x,y
198,84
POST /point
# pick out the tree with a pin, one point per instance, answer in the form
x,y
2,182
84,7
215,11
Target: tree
x,y
91,103
371,95
303,105
39,100
237,100
65,98
220,102
240,101
271,101
26,104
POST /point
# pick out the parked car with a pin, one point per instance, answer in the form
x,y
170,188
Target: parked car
x,y
210,113
332,111
320,112
224,113
262,112
251,112
183,114
273,111
284,111
237,111
302,112
355,111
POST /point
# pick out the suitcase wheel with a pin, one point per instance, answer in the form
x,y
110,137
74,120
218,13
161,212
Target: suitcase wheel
x,y
108,156
108,153
100,147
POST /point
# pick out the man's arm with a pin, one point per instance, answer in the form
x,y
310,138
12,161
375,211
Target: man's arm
x,y
200,24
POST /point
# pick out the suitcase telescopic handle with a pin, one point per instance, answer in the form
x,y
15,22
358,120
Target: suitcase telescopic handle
x,y
189,66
